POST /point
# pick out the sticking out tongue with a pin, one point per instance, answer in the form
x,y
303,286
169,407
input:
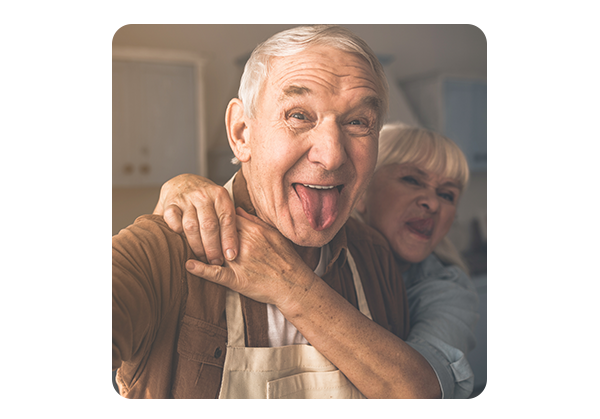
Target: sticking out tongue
x,y
422,226
319,205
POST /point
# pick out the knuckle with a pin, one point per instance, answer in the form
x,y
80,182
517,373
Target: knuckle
x,y
199,195
227,220
172,211
219,274
222,193
190,226
209,225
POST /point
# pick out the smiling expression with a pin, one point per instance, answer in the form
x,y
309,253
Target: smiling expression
x,y
312,146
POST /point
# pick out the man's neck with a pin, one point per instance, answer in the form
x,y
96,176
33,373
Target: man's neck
x,y
310,255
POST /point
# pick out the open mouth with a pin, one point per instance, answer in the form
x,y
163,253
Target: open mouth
x,y
321,187
421,226
319,203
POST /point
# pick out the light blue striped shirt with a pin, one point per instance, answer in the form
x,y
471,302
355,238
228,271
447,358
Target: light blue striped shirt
x,y
443,312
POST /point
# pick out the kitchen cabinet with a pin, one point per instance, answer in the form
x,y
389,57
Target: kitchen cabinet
x,y
455,106
157,117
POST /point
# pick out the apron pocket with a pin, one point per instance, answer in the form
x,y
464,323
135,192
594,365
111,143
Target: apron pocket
x,y
201,348
313,385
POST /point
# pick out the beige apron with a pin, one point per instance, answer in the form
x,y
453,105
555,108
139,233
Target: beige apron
x,y
286,372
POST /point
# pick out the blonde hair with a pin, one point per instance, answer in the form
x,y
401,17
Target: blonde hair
x,y
400,143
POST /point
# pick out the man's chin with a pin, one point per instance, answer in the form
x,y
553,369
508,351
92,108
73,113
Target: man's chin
x,y
308,237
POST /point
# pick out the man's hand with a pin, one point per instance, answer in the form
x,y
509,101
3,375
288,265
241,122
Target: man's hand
x,y
204,211
268,269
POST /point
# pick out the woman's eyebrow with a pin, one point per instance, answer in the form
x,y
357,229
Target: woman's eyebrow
x,y
450,184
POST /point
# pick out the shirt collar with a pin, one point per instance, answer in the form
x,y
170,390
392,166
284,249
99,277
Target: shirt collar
x,y
240,193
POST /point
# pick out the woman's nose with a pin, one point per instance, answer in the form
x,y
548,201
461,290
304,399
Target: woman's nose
x,y
429,201
328,146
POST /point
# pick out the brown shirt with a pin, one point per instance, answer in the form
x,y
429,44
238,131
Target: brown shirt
x,y
169,327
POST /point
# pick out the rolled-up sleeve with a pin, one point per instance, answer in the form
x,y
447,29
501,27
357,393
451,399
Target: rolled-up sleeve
x,y
443,313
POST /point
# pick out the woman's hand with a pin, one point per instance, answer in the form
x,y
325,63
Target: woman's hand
x,y
204,212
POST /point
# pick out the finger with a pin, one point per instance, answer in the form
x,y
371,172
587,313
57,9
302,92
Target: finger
x,y
214,273
227,220
210,232
172,216
192,233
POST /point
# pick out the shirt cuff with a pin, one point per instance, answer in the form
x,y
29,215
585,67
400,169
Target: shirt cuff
x,y
450,365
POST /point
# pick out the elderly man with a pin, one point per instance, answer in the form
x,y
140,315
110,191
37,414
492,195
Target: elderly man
x,y
313,306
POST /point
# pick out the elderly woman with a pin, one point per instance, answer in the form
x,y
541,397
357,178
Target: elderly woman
x,y
413,195
412,201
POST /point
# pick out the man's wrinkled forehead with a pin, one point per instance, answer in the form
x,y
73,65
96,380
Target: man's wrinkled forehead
x,y
287,75
325,62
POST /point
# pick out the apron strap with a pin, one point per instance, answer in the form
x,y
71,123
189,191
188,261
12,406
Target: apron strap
x,y
233,303
360,292
235,319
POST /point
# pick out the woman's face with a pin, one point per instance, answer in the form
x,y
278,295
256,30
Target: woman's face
x,y
412,207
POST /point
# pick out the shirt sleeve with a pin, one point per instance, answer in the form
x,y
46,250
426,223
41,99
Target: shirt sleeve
x,y
443,313
144,259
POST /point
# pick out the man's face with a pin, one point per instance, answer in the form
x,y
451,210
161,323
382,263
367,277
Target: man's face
x,y
313,143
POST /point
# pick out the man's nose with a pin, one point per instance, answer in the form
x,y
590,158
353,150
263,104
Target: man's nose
x,y
328,148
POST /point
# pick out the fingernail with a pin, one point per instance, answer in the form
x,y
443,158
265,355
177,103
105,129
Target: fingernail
x,y
230,254
216,261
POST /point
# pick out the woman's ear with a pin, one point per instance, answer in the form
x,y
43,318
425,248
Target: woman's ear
x,y
237,130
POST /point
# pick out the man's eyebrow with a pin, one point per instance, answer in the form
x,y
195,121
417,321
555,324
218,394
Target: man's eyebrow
x,y
375,103
294,90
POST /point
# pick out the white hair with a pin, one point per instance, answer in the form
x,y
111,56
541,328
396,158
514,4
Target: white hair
x,y
296,40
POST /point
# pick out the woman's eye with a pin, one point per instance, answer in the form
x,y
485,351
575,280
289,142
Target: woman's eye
x,y
447,196
410,179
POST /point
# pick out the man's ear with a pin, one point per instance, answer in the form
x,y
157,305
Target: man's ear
x,y
237,130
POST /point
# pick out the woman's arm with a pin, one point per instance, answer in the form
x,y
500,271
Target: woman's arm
x,y
204,211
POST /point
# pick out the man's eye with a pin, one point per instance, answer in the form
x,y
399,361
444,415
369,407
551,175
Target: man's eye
x,y
355,122
298,115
